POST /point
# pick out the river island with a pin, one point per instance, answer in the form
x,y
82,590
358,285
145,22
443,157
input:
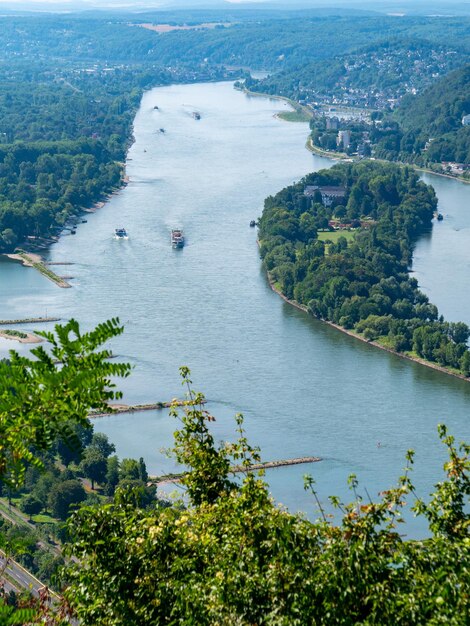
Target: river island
x,y
338,245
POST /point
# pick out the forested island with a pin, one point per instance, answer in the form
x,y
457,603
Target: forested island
x,y
340,243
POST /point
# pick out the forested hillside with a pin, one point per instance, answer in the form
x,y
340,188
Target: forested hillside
x,y
372,76
61,138
435,116
267,43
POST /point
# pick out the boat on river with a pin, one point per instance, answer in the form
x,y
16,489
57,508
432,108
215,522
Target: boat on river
x,y
177,238
196,115
121,233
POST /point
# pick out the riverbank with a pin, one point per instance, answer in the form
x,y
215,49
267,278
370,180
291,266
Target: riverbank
x,y
375,344
302,113
335,156
341,156
21,337
29,259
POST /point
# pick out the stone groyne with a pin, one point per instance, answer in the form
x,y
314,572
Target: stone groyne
x,y
30,320
132,408
237,469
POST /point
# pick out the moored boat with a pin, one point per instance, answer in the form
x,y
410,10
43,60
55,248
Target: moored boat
x,y
121,233
177,238
252,223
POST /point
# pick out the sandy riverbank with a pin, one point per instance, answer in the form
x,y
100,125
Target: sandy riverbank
x,y
334,156
30,337
27,261
299,108
35,261
340,156
375,344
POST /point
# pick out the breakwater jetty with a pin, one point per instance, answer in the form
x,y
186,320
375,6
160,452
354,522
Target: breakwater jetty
x,y
30,320
132,408
35,260
237,469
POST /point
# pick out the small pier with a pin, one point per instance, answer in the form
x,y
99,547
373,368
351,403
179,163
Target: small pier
x,y
237,469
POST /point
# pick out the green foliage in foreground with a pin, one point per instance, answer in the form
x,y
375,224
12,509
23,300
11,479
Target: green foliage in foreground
x,y
230,555
234,557
40,397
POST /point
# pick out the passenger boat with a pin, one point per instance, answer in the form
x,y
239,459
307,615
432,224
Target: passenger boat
x,y
121,233
177,238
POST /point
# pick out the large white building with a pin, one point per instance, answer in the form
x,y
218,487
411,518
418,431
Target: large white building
x,y
344,138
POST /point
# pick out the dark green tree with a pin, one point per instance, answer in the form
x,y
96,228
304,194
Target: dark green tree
x,y
93,465
64,496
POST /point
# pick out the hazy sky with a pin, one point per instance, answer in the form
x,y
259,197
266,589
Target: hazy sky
x,y
156,3
127,3
169,4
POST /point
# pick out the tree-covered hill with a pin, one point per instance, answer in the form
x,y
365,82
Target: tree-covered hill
x,y
436,116
265,42
372,76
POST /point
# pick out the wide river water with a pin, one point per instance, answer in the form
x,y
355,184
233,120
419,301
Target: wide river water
x,y
303,387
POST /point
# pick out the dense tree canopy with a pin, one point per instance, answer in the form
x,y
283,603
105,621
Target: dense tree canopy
x,y
361,281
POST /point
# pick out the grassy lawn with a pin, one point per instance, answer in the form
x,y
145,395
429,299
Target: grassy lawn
x,y
294,116
42,518
334,235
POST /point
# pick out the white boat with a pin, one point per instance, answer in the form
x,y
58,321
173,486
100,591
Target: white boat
x,y
121,233
177,238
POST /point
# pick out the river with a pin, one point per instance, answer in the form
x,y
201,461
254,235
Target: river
x,y
304,388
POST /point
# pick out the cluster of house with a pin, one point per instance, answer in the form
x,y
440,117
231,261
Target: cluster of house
x,y
455,168
387,73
